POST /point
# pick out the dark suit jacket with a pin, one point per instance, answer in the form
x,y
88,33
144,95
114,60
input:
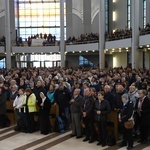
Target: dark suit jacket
x,y
76,106
145,111
104,107
127,111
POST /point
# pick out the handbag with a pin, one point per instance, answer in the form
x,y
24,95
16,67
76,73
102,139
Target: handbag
x,y
129,124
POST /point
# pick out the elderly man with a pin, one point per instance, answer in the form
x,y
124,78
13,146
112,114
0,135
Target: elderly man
x,y
109,96
75,108
13,92
143,110
88,116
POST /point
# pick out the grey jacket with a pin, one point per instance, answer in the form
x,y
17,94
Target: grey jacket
x,y
76,106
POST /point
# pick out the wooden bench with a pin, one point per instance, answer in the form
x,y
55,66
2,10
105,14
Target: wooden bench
x,y
10,112
54,113
112,120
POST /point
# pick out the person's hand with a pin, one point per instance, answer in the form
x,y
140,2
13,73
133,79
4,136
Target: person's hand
x,y
84,114
120,120
98,112
42,104
72,100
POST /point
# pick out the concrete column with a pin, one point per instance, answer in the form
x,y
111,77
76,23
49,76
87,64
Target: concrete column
x,y
101,33
87,16
7,34
69,30
62,42
147,11
135,33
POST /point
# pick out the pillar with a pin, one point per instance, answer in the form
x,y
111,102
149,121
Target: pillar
x,y
101,33
69,30
87,16
62,41
7,34
135,33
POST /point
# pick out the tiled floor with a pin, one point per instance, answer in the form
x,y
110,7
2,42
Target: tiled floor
x,y
10,140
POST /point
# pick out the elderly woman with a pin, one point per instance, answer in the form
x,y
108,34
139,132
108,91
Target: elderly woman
x,y
125,115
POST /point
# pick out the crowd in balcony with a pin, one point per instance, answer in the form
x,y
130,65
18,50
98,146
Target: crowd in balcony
x,y
83,38
49,39
2,41
145,30
119,34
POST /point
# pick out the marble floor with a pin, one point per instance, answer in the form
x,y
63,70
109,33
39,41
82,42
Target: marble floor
x,y
11,140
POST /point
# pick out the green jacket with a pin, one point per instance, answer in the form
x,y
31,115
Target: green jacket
x,y
31,102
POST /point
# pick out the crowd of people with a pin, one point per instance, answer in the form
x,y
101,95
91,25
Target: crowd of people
x,y
83,38
2,41
119,34
49,39
88,95
145,30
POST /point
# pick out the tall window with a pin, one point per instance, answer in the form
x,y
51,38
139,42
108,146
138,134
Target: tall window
x,y
144,13
107,15
128,14
2,63
85,62
38,16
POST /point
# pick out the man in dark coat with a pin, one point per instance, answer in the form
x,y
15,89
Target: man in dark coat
x,y
62,97
75,108
109,96
88,116
143,115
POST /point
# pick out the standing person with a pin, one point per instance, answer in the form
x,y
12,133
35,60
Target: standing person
x,y
44,114
13,92
50,93
133,96
62,98
2,107
109,96
125,115
39,88
143,115
101,110
30,108
18,107
88,117
75,108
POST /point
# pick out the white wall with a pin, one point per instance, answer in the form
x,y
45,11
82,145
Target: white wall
x,y
77,24
120,7
38,49
95,24
120,59
82,47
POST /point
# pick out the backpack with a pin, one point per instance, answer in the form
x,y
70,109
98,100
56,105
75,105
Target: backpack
x,y
59,125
